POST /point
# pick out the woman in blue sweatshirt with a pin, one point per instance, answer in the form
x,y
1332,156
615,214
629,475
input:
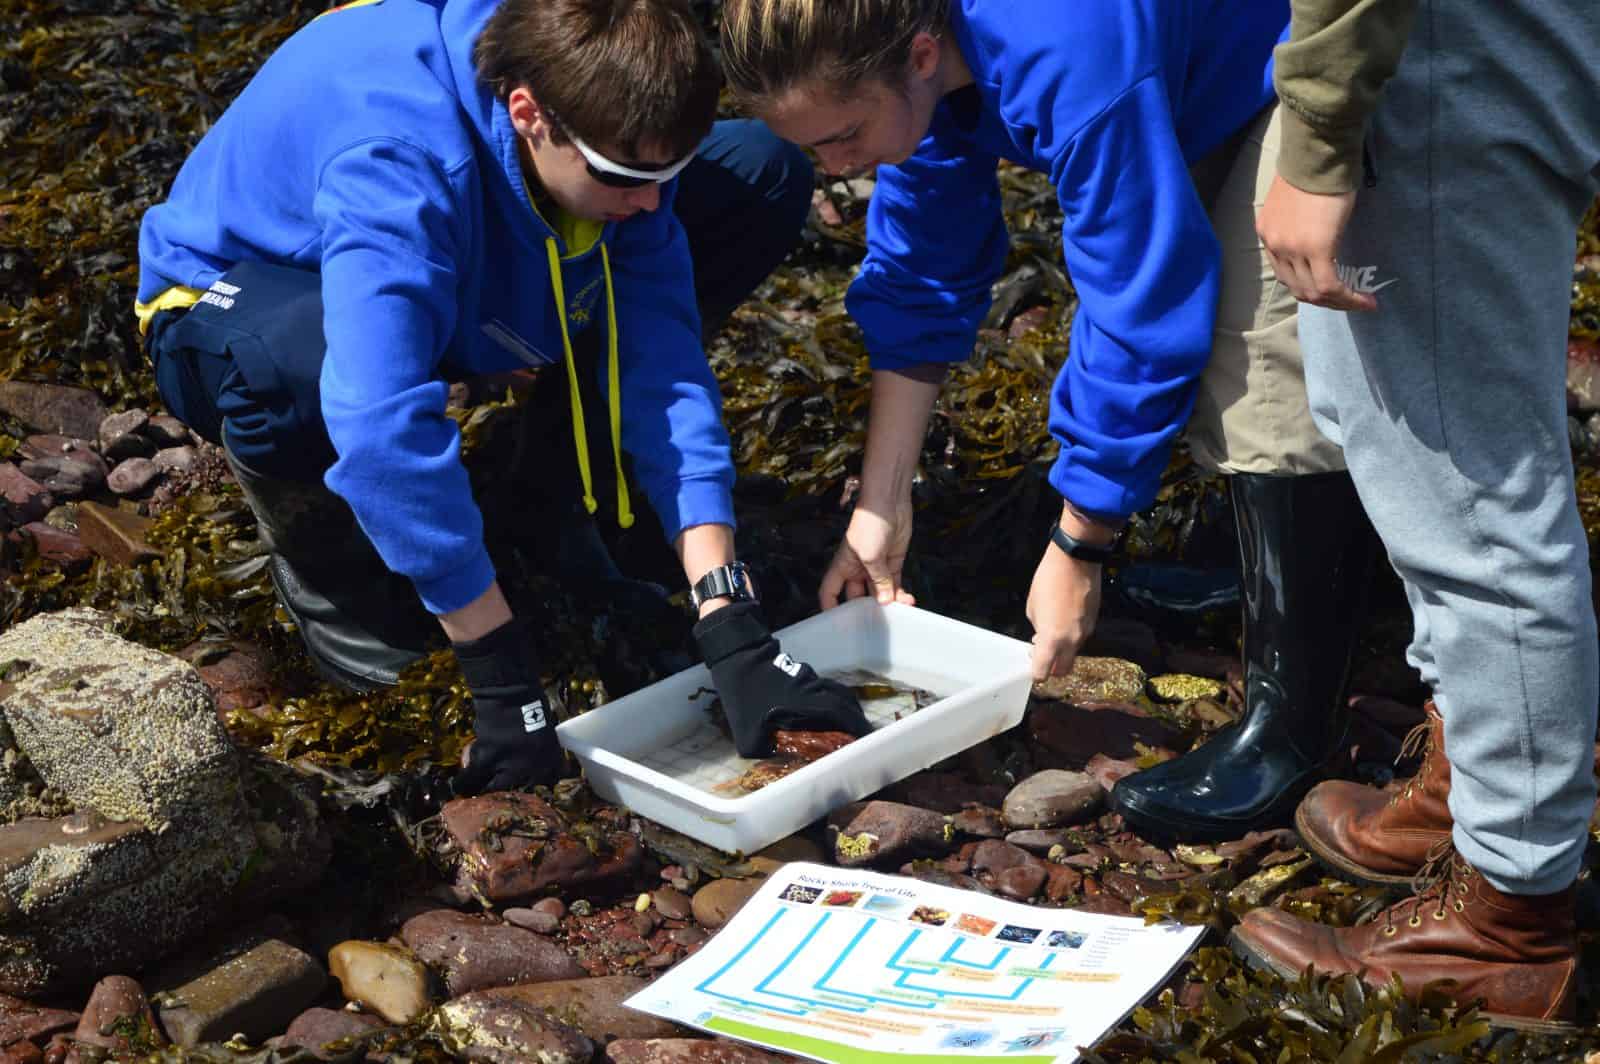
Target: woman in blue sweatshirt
x,y
1155,121
411,192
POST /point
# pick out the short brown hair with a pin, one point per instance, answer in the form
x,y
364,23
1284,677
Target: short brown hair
x,y
772,46
620,74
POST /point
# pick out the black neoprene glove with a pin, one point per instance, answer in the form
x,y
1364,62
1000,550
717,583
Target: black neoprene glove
x,y
514,743
763,688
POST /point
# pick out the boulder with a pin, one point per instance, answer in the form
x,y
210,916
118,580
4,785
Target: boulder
x,y
165,816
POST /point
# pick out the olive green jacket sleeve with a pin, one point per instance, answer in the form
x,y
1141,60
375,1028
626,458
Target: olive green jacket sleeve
x,y
1328,75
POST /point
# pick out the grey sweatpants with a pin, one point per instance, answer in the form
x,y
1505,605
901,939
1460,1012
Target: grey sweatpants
x,y
1449,402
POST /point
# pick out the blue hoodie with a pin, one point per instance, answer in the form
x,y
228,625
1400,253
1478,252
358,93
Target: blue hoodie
x,y
1114,100
367,149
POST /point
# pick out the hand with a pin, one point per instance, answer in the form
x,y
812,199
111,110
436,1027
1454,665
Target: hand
x,y
763,688
514,743
872,555
1301,232
1063,605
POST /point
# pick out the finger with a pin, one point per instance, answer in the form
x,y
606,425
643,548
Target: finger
x,y
1043,659
905,598
855,588
832,583
1329,289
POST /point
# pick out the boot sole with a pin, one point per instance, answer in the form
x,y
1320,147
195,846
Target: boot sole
x,y
1261,962
1342,866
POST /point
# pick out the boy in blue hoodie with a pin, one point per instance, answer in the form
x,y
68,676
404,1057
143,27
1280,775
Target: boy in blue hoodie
x,y
1155,122
411,192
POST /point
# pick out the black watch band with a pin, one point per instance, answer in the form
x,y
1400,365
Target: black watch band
x,y
1086,552
731,581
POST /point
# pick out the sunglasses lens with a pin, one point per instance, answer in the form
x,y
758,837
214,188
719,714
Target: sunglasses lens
x,y
616,180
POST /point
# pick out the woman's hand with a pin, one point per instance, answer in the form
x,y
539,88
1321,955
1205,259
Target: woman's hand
x,y
871,557
1063,605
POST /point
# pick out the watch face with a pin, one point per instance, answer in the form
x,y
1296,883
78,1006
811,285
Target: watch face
x,y
744,584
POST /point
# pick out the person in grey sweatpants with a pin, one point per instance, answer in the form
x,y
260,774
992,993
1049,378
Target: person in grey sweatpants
x,y
1448,399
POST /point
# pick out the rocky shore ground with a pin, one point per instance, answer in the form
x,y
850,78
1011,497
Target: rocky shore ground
x,y
205,854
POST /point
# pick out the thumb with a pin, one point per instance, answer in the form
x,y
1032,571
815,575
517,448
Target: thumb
x,y
1042,657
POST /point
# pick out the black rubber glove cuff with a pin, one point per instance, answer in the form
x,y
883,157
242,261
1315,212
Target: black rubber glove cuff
x,y
514,742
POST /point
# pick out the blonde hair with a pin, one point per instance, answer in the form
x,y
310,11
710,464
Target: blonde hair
x,y
772,46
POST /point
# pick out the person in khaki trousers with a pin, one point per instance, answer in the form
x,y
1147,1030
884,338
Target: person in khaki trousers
x,y
1161,149
1428,211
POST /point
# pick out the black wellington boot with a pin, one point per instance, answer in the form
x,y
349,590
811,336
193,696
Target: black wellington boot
x,y
1306,555
361,622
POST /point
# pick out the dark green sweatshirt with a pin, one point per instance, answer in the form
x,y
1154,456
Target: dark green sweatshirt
x,y
1329,75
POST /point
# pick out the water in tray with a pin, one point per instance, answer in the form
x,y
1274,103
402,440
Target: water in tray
x,y
706,759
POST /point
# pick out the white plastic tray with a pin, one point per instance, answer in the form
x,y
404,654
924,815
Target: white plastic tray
x,y
657,752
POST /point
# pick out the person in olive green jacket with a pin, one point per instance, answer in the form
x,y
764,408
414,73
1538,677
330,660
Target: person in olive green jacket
x,y
1430,220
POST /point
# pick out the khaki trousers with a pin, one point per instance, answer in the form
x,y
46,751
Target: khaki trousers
x,y
1251,415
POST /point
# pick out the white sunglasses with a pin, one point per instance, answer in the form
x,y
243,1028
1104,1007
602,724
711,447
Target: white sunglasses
x,y
616,175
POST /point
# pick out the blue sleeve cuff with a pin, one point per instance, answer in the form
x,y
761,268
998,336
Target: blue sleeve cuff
x,y
700,501
1097,496
459,587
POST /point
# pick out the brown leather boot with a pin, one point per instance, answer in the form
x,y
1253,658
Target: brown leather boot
x,y
1517,954
1380,839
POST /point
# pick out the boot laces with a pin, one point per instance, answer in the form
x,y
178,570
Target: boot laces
x,y
1443,882
1416,741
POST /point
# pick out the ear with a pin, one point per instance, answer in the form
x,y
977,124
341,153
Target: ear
x,y
527,117
926,51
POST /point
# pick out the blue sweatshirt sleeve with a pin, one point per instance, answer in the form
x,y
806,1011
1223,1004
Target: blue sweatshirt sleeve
x,y
1147,268
936,242
671,408
391,236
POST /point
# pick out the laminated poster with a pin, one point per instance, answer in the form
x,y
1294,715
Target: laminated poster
x,y
856,967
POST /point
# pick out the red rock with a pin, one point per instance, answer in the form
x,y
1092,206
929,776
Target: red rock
x,y
1023,881
995,855
1107,771
21,1019
1105,904
1061,881
313,1029
238,673
688,1051
23,1052
593,1007
473,953
1028,321
22,499
1583,374
53,407
117,999
133,476
516,846
115,535
889,833
979,820
63,549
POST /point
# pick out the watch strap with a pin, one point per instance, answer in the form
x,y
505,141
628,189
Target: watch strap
x,y
731,581
1076,548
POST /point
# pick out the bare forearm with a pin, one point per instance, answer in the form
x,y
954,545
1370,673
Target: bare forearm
x,y
477,618
702,548
896,427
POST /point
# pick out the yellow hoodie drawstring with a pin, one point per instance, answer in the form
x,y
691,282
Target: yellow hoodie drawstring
x,y
575,396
